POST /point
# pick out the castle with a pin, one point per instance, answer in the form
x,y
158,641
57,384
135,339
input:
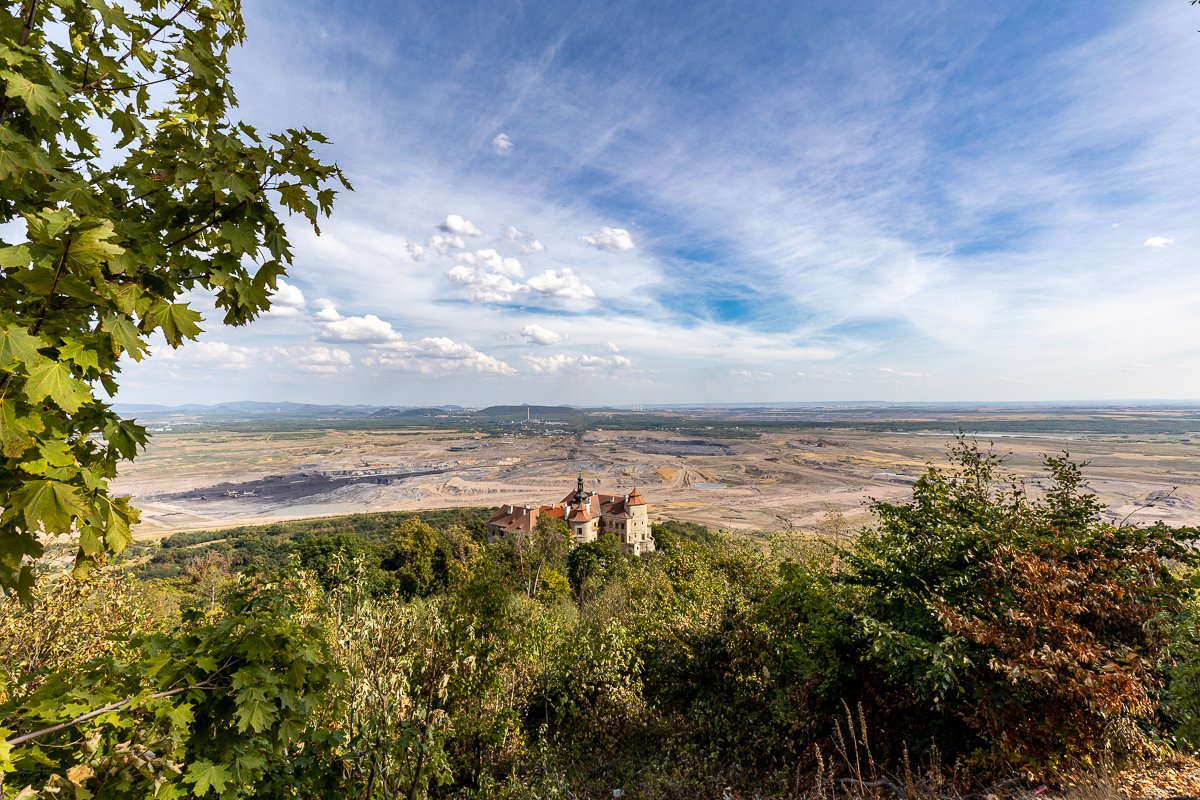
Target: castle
x,y
587,514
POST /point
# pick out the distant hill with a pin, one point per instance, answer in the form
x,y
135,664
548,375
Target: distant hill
x,y
518,412
244,408
407,412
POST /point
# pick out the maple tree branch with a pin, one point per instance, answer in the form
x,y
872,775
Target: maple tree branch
x,y
87,87
117,706
62,262
217,219
127,87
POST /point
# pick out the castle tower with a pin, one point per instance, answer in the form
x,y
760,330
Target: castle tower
x,y
638,537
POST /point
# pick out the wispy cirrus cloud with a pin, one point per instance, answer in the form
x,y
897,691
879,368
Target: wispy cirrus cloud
x,y
884,195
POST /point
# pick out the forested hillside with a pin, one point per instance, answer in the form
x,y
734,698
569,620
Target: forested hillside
x,y
980,631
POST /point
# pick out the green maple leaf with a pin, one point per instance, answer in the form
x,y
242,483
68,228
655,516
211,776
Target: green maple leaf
x,y
255,715
124,436
116,532
81,354
93,246
16,429
53,504
16,344
177,320
125,335
205,775
38,98
14,256
54,380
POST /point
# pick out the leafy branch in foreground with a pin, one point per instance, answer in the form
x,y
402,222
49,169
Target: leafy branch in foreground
x,y
124,185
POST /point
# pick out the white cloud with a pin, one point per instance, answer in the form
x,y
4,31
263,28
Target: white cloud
x,y
562,283
612,347
459,226
484,286
315,359
751,375
903,373
210,355
491,260
536,334
441,244
205,355
435,355
366,329
562,361
416,252
287,300
502,144
609,239
1158,241
525,241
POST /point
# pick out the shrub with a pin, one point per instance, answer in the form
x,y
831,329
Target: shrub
x,y
1028,620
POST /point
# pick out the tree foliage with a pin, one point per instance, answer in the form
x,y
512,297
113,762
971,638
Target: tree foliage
x,y
125,185
1024,618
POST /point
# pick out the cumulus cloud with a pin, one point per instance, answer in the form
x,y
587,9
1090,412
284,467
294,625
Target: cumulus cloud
x,y
460,227
525,241
416,252
609,239
1158,241
313,359
287,300
502,144
436,355
562,283
536,334
442,244
562,361
493,261
366,329
211,355
483,285
612,347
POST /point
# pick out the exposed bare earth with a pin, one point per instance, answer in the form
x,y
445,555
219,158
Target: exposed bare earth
x,y
779,480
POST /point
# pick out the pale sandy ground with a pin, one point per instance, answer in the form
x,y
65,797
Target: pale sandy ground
x,y
781,481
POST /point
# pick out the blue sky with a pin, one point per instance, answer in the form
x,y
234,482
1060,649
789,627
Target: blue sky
x,y
715,201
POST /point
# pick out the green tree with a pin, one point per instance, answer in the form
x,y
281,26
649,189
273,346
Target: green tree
x,y
1029,620
591,564
125,182
413,559
216,707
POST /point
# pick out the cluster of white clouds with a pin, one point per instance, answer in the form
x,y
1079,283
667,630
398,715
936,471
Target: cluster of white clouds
x,y
609,239
365,329
388,349
487,276
458,226
434,355
287,300
562,283
537,334
309,359
582,363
